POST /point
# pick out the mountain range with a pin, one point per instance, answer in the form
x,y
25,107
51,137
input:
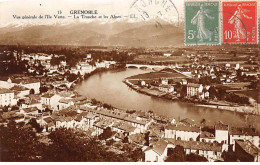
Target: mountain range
x,y
150,33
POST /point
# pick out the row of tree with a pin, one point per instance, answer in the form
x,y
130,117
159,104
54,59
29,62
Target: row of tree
x,y
19,142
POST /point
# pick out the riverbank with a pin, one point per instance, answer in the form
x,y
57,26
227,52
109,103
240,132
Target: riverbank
x,y
99,70
239,109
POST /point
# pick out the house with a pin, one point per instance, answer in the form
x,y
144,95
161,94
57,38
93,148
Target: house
x,y
143,83
182,132
101,125
65,121
160,151
137,139
142,125
207,137
211,151
184,82
7,97
205,92
221,133
249,134
167,54
18,117
30,83
20,91
64,103
164,81
48,124
80,121
6,82
166,88
29,103
248,150
157,153
124,128
34,111
194,89
51,100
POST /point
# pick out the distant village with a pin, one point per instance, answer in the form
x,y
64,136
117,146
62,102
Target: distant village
x,y
45,92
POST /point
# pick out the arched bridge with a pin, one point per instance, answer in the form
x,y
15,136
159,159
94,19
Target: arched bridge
x,y
145,66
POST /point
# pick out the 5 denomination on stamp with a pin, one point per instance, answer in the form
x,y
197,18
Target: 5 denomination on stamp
x,y
202,23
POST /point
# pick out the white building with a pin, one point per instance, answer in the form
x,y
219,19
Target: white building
x,y
181,132
243,134
158,153
221,133
51,100
7,97
194,89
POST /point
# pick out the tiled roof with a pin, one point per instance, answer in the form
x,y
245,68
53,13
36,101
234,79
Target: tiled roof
x,y
48,95
243,131
19,88
160,146
196,145
221,126
137,138
248,147
193,85
207,135
3,90
125,127
25,81
113,115
32,109
183,128
48,119
65,101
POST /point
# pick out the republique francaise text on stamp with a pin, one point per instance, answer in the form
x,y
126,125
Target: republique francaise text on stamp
x,y
239,22
202,23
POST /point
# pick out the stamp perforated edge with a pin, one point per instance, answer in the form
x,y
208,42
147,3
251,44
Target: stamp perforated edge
x,y
257,22
219,23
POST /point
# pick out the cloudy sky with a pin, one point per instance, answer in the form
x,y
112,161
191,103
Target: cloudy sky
x,y
8,8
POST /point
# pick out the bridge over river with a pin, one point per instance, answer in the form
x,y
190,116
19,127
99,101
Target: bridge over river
x,y
173,67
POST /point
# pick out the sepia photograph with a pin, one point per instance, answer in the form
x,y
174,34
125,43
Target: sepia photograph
x,y
129,81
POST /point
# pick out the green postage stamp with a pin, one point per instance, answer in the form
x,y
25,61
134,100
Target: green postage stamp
x,y
202,23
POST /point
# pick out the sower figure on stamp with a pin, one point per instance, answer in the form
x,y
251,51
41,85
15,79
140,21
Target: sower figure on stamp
x,y
199,19
237,20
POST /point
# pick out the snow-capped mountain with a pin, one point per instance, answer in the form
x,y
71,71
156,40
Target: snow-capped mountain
x,y
154,32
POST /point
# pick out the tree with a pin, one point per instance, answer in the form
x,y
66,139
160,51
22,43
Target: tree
x,y
43,89
18,143
212,92
107,133
203,121
229,156
146,138
137,155
125,140
195,158
177,155
68,146
32,91
35,125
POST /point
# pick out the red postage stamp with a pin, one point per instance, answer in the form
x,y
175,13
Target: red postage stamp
x,y
239,22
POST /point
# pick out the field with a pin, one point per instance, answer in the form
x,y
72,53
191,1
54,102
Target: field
x,y
157,75
171,59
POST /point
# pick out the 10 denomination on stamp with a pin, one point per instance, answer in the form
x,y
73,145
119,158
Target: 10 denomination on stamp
x,y
239,22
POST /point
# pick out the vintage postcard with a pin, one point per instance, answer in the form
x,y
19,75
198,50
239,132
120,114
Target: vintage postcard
x,y
129,81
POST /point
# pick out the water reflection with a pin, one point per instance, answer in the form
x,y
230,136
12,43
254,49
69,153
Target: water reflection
x,y
109,88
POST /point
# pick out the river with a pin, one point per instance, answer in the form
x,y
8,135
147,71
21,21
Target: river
x,y
108,87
